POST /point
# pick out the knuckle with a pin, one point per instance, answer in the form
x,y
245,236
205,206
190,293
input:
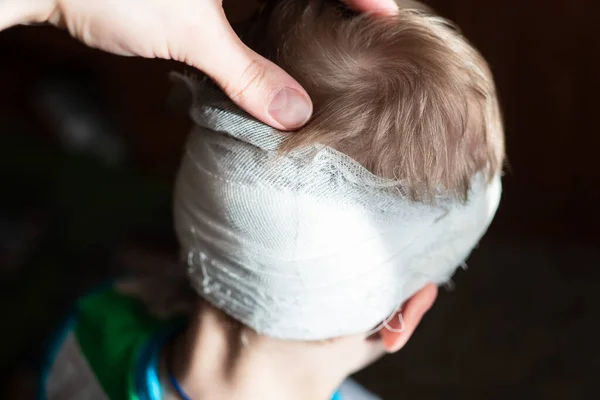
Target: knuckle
x,y
254,75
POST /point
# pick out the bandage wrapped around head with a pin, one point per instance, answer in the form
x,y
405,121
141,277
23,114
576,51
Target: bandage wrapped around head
x,y
308,245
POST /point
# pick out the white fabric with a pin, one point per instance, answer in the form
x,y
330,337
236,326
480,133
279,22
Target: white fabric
x,y
351,390
308,245
71,377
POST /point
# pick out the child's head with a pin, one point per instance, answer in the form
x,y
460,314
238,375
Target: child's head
x,y
407,97
289,234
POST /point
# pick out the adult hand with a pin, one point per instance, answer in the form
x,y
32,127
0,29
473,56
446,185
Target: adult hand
x,y
195,32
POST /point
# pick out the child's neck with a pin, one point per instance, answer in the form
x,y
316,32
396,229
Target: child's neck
x,y
210,362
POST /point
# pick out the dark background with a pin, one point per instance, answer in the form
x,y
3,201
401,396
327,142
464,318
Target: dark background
x,y
88,150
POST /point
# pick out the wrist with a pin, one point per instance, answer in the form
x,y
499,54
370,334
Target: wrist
x,y
24,12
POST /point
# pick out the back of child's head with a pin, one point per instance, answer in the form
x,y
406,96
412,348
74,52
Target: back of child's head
x,y
405,96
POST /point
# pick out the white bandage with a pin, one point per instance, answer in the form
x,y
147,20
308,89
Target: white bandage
x,y
308,245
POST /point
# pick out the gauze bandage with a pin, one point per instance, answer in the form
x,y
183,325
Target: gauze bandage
x,y
308,245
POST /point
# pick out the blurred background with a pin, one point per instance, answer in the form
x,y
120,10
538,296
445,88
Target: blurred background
x,y
89,149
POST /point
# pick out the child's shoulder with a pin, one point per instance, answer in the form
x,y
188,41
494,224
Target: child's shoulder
x,y
98,350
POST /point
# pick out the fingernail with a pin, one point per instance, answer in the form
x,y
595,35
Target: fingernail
x,y
390,7
290,108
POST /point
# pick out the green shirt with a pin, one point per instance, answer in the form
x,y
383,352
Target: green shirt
x,y
101,349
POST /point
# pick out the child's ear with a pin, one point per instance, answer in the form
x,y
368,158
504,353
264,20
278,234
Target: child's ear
x,y
399,329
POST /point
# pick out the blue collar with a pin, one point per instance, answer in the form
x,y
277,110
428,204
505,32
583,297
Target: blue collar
x,y
146,374
147,381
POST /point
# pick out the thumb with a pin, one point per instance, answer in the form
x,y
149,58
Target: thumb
x,y
257,85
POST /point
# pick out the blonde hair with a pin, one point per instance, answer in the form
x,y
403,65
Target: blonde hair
x,y
407,96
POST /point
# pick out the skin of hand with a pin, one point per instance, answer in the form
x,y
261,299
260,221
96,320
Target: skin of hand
x,y
195,32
